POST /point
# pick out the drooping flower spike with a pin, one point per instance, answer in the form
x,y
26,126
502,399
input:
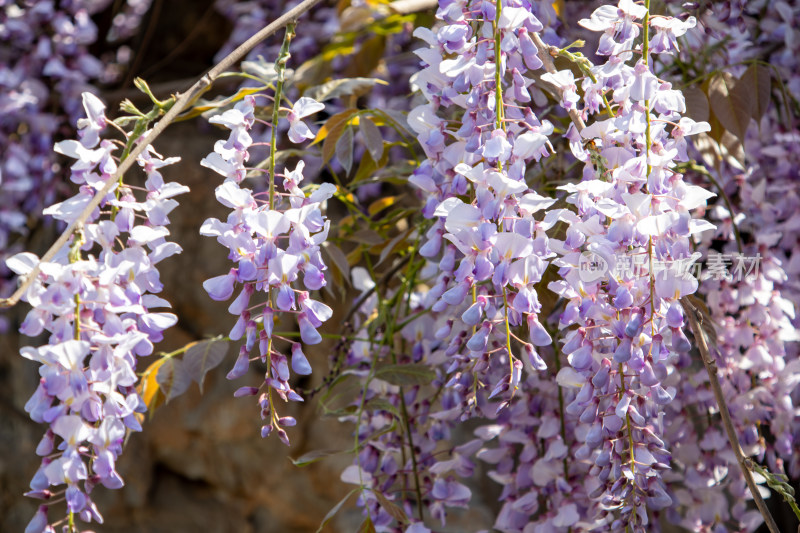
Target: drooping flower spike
x,y
96,300
276,249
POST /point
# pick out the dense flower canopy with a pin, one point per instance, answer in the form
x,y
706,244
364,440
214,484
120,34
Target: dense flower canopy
x,y
570,268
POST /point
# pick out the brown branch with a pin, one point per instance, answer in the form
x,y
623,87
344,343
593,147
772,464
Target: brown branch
x,y
711,367
181,102
406,7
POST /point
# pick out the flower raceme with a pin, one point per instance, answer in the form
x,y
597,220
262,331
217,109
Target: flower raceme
x,y
490,244
95,299
276,248
45,66
487,247
624,330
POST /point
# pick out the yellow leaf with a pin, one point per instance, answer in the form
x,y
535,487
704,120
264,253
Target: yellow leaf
x,y
337,121
148,387
379,205
337,51
354,257
558,7
199,109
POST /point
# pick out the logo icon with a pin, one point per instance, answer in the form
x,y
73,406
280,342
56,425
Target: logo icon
x,y
591,267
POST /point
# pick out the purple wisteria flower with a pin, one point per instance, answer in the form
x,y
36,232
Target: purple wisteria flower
x,y
96,299
276,248
624,327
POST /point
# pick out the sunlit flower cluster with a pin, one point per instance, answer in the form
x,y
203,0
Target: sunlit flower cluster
x,y
275,243
96,300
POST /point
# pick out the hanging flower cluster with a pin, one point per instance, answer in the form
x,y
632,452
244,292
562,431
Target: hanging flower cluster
x,y
492,249
275,243
95,299
751,298
43,55
45,65
625,263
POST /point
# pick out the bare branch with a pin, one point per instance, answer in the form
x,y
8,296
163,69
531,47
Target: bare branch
x,y
405,7
711,367
180,104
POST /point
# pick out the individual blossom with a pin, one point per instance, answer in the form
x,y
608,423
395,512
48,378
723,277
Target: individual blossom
x,y
298,130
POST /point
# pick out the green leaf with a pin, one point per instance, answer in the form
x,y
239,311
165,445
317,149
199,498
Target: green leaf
x,y
354,18
318,68
314,456
342,87
328,397
202,357
331,133
339,120
335,510
368,167
380,404
367,526
393,245
344,150
394,510
732,111
339,260
400,119
380,204
369,55
372,138
368,237
172,378
210,108
261,69
406,375
696,104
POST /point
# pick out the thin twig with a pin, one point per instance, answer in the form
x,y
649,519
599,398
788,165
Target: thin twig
x,y
369,292
546,54
181,102
348,328
711,367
